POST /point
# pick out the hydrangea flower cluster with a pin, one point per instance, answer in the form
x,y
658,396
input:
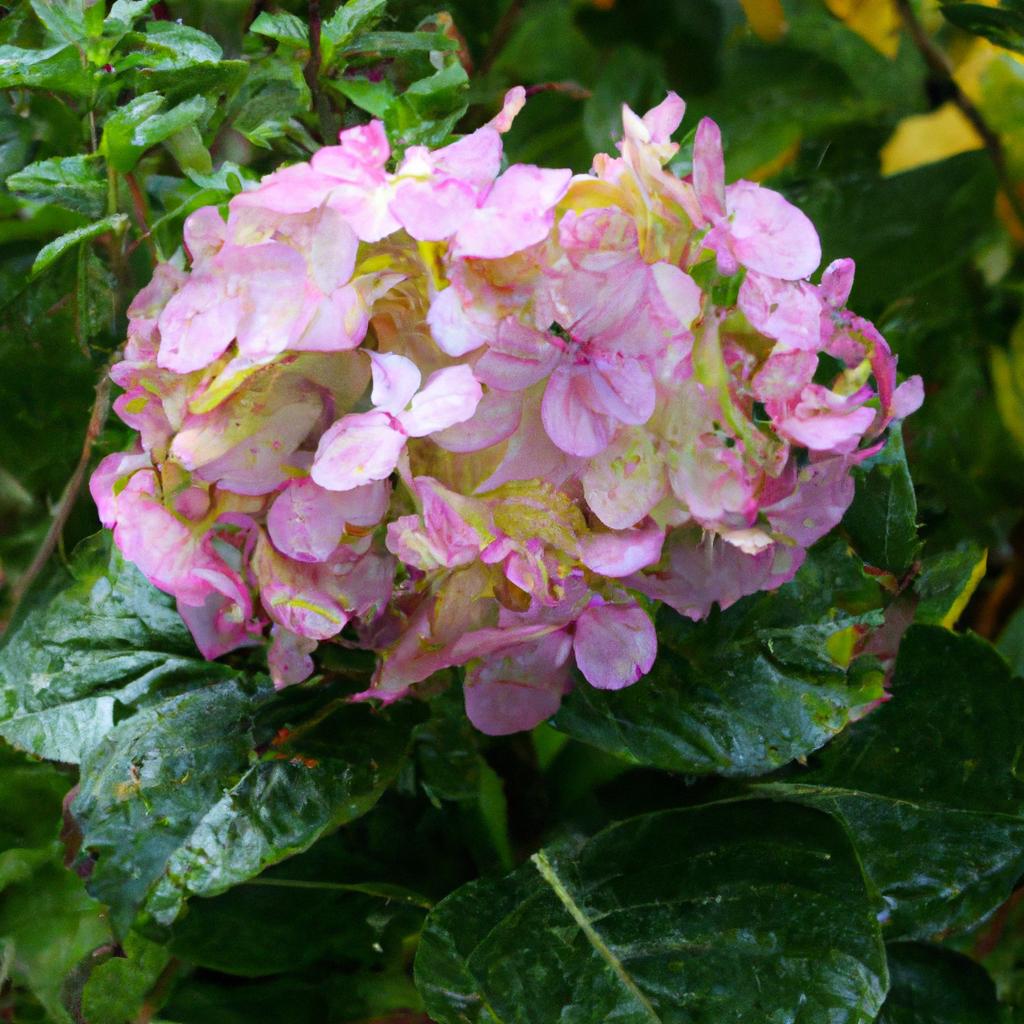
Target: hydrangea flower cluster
x,y
466,416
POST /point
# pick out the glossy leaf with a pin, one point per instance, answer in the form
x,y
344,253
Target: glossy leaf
x,y
54,250
741,694
927,785
931,985
665,917
204,790
92,645
1003,25
75,182
882,521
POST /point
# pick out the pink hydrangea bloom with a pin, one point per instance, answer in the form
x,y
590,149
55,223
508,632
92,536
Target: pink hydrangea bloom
x,y
467,416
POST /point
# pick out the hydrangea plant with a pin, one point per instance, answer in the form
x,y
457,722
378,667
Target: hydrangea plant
x,y
464,415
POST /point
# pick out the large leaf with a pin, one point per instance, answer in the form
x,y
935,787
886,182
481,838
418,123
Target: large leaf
x,y
931,985
928,784
746,691
91,645
883,517
203,790
57,67
728,913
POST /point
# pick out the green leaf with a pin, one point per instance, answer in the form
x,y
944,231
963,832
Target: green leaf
x,y
117,988
284,28
128,11
882,521
74,182
398,44
204,790
351,17
94,644
1011,642
57,67
64,19
928,786
727,913
744,692
54,250
931,985
376,98
140,124
946,583
47,922
1002,25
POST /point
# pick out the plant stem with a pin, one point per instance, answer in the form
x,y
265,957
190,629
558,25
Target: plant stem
x,y
938,64
311,72
97,418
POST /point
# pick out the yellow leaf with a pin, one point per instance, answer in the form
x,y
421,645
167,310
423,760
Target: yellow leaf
x,y
1008,378
876,21
766,19
926,138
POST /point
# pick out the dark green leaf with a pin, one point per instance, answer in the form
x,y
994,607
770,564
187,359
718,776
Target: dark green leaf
x,y
946,583
1002,25
93,644
927,784
75,182
931,985
882,521
55,249
741,694
735,912
202,791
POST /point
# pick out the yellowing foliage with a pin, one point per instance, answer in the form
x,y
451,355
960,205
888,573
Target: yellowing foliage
x,y
876,21
925,138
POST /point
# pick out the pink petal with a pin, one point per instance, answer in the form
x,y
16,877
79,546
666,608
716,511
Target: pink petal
x,y
789,312
519,356
769,234
338,324
450,325
614,645
450,396
395,380
496,418
622,552
204,234
661,121
824,491
332,253
306,522
520,687
433,210
908,397
837,282
709,169
625,481
623,389
289,657
356,450
104,482
197,325
569,419
515,100
518,212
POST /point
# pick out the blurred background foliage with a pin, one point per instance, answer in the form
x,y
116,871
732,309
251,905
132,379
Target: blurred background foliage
x,y
897,126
